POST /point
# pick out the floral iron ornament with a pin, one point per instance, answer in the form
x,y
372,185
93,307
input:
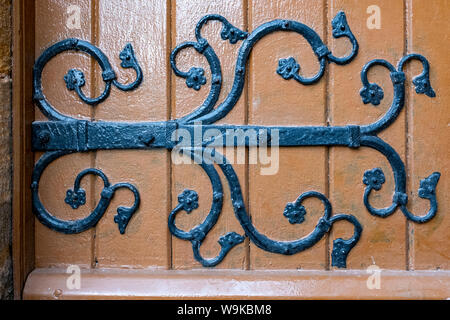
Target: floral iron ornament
x,y
64,135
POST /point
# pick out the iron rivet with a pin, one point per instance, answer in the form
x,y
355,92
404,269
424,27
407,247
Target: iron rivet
x,y
44,137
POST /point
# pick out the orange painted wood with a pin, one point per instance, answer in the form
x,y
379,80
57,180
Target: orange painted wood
x,y
275,101
428,132
220,284
52,248
185,15
419,135
146,241
383,241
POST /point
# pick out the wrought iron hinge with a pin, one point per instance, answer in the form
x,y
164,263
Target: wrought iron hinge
x,y
63,135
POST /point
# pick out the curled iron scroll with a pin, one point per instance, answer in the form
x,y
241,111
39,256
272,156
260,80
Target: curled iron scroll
x,y
76,197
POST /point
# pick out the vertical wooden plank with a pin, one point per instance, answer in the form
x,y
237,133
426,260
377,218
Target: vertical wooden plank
x,y
53,24
275,101
54,248
429,140
383,240
185,15
23,115
145,242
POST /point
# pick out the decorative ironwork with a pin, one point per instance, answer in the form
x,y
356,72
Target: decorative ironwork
x,y
76,197
64,135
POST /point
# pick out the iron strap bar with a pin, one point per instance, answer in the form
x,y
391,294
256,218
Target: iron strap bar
x,y
87,136
196,133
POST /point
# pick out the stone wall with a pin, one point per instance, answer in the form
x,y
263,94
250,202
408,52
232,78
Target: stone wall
x,y
6,285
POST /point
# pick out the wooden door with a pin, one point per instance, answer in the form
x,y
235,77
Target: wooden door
x,y
147,260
